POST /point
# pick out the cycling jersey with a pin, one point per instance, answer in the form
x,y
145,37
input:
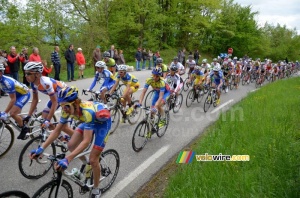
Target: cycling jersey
x,y
198,76
191,64
128,79
109,80
110,63
159,86
174,82
11,86
48,86
179,66
217,77
87,115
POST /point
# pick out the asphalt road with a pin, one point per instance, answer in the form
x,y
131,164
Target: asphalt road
x,y
135,168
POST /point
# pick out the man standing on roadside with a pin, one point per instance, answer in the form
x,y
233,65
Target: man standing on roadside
x,y
97,56
81,62
112,51
13,62
26,59
56,62
70,58
138,58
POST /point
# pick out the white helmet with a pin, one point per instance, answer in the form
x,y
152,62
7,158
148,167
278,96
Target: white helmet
x,y
204,60
100,64
197,67
217,68
122,67
2,68
34,66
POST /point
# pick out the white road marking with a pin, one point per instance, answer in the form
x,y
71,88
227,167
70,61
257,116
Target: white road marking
x,y
221,106
116,189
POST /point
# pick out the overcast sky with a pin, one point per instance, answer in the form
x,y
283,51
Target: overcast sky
x,y
284,12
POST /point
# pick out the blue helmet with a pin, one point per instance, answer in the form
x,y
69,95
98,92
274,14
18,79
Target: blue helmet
x,y
157,71
68,94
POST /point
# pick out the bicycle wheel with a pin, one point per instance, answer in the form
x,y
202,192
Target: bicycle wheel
x,y
177,103
186,85
244,80
115,119
161,131
110,164
200,96
207,102
49,190
35,169
190,98
215,97
35,126
257,83
120,90
232,83
140,138
14,193
135,115
7,138
148,99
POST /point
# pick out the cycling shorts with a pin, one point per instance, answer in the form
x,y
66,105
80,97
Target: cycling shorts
x,y
107,86
134,88
156,96
22,100
101,133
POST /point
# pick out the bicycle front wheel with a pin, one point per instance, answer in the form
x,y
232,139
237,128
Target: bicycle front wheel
x,y
35,169
190,98
49,190
162,130
110,164
178,103
148,99
7,138
207,102
14,193
135,115
140,136
115,119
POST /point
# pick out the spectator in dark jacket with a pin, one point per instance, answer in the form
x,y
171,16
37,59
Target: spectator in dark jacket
x,y
145,58
56,62
196,56
70,58
26,59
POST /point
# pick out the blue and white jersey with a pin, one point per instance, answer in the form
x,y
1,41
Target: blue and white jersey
x,y
217,77
10,86
108,77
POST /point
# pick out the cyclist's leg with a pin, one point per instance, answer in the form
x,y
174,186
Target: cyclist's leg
x,y
103,91
47,110
17,108
76,138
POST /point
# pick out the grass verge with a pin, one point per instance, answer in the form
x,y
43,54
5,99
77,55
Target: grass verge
x,y
265,126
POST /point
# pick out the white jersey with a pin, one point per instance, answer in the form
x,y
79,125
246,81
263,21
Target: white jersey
x,y
206,66
191,63
213,64
172,81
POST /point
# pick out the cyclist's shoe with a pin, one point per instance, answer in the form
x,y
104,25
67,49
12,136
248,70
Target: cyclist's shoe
x,y
226,90
162,123
129,110
208,100
23,133
218,101
96,193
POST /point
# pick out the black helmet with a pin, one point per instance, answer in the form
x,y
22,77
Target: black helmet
x,y
175,58
106,54
159,60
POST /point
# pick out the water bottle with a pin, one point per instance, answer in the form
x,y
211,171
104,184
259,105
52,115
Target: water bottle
x,y
88,171
77,173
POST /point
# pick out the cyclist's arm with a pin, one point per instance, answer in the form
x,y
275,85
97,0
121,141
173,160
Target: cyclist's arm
x,y
12,101
54,134
114,87
93,83
54,105
143,95
35,99
127,89
87,137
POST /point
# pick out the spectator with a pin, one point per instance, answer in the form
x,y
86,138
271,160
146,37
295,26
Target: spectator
x,y
56,62
13,62
154,60
157,54
3,60
145,57
196,56
97,56
70,58
81,62
179,55
183,56
138,58
150,57
26,59
46,70
35,56
112,51
122,59
116,57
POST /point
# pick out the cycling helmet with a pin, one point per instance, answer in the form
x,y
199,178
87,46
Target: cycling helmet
x,y
106,54
217,68
122,67
67,94
215,59
204,60
174,68
229,60
197,67
34,66
235,58
225,63
238,62
175,58
2,68
157,71
159,60
100,64
190,57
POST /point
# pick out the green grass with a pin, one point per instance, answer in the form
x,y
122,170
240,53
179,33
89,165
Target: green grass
x,y
265,125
